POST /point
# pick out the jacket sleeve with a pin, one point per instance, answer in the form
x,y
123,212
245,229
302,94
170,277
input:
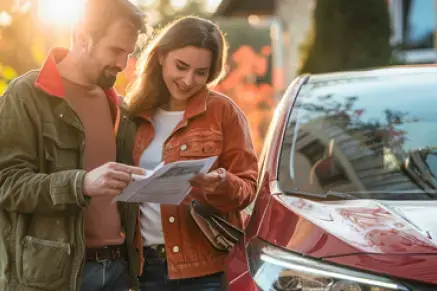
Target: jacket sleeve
x,y
23,188
239,160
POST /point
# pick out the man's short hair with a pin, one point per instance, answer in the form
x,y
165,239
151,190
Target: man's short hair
x,y
98,15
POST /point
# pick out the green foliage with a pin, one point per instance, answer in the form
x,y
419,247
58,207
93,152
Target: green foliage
x,y
347,35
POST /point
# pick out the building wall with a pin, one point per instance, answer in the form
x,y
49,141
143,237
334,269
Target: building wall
x,y
294,22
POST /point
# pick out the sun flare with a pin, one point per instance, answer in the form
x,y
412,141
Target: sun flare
x,y
59,12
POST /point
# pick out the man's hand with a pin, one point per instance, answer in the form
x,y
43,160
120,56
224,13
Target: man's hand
x,y
109,179
209,182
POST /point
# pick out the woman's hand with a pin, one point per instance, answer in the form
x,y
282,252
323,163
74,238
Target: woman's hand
x,y
209,182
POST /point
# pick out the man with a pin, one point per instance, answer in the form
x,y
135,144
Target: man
x,y
59,229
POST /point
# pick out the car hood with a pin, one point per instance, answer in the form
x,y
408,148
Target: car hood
x,y
370,226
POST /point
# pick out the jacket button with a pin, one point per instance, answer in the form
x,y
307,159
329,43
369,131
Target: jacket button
x,y
184,147
61,115
175,249
171,219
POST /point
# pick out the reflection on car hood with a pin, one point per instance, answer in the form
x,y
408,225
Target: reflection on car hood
x,y
378,227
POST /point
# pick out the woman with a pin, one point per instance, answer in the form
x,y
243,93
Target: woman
x,y
177,117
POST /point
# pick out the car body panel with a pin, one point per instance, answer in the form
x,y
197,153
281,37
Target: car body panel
x,y
367,226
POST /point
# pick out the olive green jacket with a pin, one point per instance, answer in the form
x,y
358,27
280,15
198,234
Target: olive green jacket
x,y
41,199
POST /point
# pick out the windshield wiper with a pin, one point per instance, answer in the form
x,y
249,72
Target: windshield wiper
x,y
330,195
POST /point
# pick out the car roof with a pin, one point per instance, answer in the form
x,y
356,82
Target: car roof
x,y
377,72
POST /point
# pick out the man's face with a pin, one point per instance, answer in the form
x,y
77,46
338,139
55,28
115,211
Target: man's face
x,y
109,54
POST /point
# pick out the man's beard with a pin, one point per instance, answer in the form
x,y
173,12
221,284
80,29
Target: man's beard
x,y
106,81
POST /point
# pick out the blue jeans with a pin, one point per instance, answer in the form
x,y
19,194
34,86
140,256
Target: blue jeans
x,y
155,278
106,275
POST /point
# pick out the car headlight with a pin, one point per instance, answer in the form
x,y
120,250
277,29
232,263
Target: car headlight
x,y
275,269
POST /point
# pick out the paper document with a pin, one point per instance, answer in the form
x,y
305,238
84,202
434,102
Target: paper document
x,y
166,184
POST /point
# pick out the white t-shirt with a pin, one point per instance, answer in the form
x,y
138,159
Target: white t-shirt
x,y
151,225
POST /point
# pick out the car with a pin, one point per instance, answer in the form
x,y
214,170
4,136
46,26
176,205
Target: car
x,y
347,188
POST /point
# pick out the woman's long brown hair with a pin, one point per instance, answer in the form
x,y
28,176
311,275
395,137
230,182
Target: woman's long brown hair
x,y
149,90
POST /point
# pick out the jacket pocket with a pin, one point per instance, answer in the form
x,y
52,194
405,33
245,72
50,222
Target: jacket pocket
x,y
61,148
44,263
199,144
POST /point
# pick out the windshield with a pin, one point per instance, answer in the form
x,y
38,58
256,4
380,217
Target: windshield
x,y
372,137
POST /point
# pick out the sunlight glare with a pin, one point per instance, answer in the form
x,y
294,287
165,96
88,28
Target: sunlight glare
x,y
5,18
212,5
59,12
145,3
178,4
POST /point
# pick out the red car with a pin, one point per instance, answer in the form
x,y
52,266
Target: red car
x,y
347,187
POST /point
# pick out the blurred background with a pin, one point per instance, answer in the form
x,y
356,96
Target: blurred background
x,y
271,41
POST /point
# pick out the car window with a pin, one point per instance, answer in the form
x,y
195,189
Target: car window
x,y
371,135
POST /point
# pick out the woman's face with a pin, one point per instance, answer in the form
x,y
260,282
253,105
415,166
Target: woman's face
x,y
185,71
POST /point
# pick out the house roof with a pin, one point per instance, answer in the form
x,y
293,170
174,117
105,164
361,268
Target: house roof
x,y
246,7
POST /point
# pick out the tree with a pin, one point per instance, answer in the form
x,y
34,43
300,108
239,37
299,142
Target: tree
x,y
7,74
25,41
243,85
16,36
347,35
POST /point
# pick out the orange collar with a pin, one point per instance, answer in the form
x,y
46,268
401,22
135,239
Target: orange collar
x,y
49,80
